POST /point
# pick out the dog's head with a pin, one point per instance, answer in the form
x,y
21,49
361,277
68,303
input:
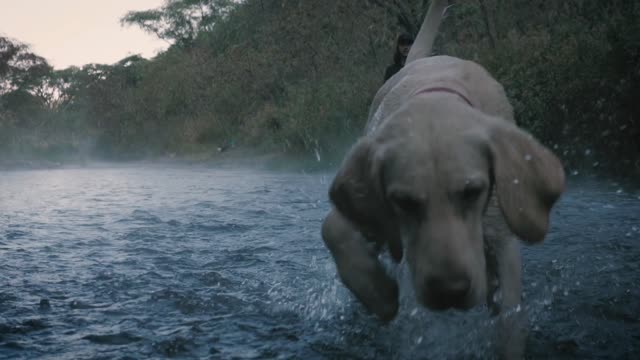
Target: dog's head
x,y
422,182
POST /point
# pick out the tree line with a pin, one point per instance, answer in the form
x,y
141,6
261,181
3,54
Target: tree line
x,y
297,76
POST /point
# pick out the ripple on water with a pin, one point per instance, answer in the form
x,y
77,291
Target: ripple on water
x,y
122,338
219,228
214,278
24,327
177,346
141,217
15,234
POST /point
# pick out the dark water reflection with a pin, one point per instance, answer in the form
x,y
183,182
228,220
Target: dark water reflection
x,y
153,262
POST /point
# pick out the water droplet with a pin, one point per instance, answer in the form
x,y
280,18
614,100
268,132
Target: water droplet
x,y
566,293
528,157
574,172
414,312
516,181
419,340
619,191
596,164
587,152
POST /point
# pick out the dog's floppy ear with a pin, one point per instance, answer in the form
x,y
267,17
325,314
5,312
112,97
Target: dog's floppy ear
x,y
357,193
529,180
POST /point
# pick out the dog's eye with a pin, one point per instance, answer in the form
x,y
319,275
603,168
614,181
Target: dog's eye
x,y
472,192
406,203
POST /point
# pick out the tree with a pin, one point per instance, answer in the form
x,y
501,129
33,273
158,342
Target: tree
x,y
408,13
19,67
180,21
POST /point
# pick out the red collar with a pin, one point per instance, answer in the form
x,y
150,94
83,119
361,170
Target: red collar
x,y
447,90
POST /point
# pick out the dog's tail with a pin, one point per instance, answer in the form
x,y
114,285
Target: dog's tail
x,y
426,36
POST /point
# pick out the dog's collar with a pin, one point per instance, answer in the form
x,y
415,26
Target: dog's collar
x,y
447,90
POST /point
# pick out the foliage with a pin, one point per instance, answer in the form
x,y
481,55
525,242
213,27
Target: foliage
x,y
179,21
570,68
19,68
297,76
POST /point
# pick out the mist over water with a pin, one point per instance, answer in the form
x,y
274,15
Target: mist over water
x,y
196,262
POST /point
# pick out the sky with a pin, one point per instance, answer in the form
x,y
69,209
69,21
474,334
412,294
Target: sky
x,y
78,32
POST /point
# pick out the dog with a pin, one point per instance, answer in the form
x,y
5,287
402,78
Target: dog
x,y
444,179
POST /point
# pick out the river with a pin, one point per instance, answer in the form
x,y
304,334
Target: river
x,y
155,261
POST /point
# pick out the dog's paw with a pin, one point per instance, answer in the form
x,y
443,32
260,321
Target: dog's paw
x,y
381,295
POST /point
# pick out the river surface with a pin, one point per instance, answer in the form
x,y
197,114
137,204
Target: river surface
x,y
131,262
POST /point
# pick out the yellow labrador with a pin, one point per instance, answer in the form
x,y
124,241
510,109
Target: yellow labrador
x,y
444,178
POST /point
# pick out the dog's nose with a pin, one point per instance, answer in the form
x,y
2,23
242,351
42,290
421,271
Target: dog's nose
x,y
447,291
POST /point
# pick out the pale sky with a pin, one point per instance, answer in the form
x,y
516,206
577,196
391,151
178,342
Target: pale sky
x,y
78,32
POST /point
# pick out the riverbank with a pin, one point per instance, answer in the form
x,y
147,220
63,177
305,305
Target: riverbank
x,y
235,157
247,157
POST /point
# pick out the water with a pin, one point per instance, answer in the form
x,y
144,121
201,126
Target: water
x,y
194,262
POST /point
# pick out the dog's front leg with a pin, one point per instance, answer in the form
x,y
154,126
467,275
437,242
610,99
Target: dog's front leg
x,y
358,266
504,275
512,320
